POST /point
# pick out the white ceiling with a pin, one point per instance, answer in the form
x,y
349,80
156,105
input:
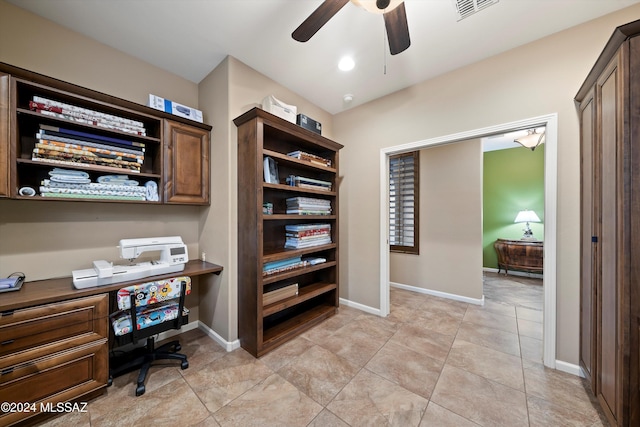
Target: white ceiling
x,y
191,37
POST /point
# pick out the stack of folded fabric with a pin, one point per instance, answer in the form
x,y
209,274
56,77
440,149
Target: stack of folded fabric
x,y
64,183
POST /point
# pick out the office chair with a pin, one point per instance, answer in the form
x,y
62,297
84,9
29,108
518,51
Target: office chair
x,y
153,307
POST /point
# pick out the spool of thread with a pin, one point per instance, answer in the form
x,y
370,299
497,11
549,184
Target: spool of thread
x,y
27,191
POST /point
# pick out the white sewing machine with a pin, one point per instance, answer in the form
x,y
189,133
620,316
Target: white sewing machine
x,y
173,256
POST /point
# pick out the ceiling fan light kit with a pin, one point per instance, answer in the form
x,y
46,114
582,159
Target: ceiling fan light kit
x,y
393,12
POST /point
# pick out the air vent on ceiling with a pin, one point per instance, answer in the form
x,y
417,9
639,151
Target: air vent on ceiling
x,y
466,8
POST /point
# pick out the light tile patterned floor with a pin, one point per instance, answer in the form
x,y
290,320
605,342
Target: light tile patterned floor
x,y
432,362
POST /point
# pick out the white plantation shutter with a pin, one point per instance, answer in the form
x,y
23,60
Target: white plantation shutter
x,y
404,202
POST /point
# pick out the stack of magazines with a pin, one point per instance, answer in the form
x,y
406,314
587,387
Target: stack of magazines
x,y
299,236
309,183
308,206
275,267
311,158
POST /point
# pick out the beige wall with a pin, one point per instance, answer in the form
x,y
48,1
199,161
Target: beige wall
x,y
494,91
450,258
50,239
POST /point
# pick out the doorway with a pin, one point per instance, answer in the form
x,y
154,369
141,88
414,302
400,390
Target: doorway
x,y
550,205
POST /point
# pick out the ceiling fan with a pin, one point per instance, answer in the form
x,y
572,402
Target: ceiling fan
x,y
393,11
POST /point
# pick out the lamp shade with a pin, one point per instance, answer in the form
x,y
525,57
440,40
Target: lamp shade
x,y
531,140
527,216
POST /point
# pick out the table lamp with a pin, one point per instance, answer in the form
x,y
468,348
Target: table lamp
x,y
527,216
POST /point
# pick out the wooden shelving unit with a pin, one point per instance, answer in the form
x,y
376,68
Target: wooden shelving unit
x,y
175,156
261,237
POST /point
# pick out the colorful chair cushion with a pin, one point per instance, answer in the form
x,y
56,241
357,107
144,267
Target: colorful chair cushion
x,y
153,292
156,302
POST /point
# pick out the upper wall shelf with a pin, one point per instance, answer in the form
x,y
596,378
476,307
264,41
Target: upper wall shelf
x,y
47,124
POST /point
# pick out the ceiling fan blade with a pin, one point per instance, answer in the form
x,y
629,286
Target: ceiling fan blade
x,y
317,19
397,29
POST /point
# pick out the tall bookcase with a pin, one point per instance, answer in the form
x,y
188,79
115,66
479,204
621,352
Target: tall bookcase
x,y
261,235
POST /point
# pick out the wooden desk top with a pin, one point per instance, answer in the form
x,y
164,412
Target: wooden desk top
x,y
53,290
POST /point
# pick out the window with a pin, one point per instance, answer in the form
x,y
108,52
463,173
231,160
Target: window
x,y
404,185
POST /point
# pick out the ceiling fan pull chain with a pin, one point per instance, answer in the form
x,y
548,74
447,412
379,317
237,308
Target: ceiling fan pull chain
x,y
384,50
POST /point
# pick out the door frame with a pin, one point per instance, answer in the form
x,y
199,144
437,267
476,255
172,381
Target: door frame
x,y
550,122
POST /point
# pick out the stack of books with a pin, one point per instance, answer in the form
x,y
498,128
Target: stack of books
x,y
309,183
71,147
299,236
308,206
311,158
280,294
275,267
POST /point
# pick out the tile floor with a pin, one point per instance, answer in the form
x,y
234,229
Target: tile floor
x,y
432,362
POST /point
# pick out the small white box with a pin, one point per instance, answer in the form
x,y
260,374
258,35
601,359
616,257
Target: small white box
x,y
274,106
174,108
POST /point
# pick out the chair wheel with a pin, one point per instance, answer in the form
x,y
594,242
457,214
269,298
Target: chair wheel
x,y
177,347
140,390
109,381
184,365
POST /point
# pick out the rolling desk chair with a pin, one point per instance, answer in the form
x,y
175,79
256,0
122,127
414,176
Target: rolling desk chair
x,y
153,307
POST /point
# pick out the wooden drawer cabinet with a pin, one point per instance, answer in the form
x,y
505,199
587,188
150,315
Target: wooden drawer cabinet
x,y
53,353
524,255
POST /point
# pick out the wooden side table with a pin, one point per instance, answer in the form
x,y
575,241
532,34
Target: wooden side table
x,y
524,255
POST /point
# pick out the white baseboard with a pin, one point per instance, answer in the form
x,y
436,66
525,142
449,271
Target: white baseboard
x,y
227,345
454,297
360,307
569,368
197,324
514,273
173,332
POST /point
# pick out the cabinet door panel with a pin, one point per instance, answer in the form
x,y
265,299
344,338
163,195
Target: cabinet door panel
x,y
186,157
589,229
609,309
4,135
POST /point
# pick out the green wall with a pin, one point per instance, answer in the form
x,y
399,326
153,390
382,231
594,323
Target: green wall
x,y
513,180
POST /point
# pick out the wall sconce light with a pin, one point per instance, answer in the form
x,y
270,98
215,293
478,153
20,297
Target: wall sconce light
x,y
527,216
532,139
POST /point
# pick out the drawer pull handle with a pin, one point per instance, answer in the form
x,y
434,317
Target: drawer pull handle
x,y
6,342
6,313
6,371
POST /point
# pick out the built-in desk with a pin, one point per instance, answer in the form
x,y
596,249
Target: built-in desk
x,y
54,341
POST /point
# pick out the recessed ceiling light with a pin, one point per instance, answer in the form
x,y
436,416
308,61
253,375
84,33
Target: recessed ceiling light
x,y
346,64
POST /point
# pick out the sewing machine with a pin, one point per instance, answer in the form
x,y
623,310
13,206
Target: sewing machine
x,y
173,256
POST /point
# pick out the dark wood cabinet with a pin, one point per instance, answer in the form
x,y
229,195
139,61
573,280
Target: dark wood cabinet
x,y
265,323
186,166
5,170
608,104
53,353
99,135
526,255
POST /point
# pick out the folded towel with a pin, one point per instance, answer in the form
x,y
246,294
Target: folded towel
x,y
111,178
68,172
